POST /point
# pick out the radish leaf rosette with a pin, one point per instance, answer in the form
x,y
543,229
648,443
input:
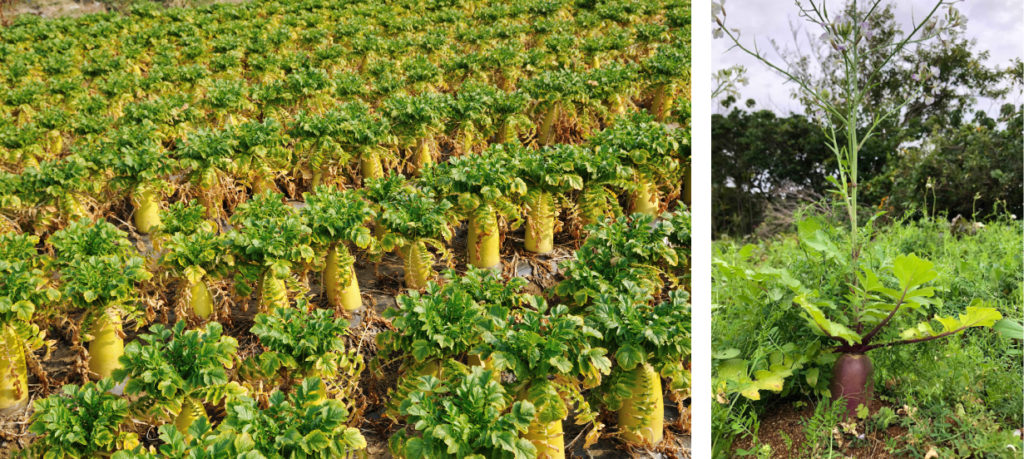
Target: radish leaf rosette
x,y
270,237
173,371
193,252
413,218
548,174
81,421
647,342
25,289
336,219
483,191
468,416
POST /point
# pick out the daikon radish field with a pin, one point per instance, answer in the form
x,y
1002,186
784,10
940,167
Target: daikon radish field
x,y
346,229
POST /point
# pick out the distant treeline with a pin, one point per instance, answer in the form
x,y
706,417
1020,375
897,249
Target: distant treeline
x,y
973,168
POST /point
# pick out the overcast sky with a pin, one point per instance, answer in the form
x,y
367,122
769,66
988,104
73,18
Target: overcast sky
x,y
996,25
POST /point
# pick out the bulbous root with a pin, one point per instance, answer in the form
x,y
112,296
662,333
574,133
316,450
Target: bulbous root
x,y
645,200
107,346
548,438
540,224
273,292
202,299
418,265
482,244
370,166
852,382
147,210
191,410
13,373
422,156
642,415
342,291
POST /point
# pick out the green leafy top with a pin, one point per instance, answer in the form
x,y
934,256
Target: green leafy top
x,y
410,214
477,180
310,344
542,341
616,251
170,365
335,215
25,287
269,233
303,424
637,332
415,117
135,156
184,217
98,282
85,238
205,154
53,180
647,146
82,421
546,170
668,65
449,320
464,417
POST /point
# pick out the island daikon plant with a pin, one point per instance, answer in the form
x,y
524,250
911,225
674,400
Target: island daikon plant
x,y
548,176
338,219
193,252
172,372
99,275
880,288
548,351
269,238
413,219
26,288
483,191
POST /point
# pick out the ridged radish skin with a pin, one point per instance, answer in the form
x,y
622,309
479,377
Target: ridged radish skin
x,y
147,209
13,373
642,416
418,265
548,438
202,299
342,291
106,346
272,292
540,223
422,156
645,200
482,243
370,166
546,131
191,410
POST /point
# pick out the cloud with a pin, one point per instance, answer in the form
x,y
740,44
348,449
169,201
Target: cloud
x,y
991,23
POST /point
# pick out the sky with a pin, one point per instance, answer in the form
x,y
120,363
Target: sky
x,y
996,25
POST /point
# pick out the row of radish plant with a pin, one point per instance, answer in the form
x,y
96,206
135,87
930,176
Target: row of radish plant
x,y
484,367
163,170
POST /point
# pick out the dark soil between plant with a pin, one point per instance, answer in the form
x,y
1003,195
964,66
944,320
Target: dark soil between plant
x,y
783,426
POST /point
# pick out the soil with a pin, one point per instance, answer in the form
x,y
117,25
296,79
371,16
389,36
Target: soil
x,y
783,429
